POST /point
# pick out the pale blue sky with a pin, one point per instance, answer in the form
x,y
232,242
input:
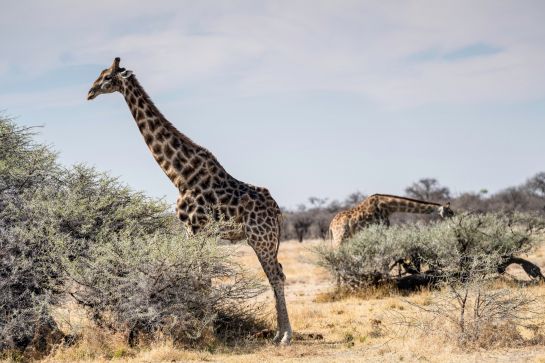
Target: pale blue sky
x,y
307,98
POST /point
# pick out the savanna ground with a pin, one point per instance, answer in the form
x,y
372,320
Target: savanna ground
x,y
328,327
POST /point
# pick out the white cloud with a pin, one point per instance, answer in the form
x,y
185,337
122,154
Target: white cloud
x,y
212,50
269,47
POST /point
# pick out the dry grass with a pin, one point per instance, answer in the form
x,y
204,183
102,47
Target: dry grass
x,y
354,328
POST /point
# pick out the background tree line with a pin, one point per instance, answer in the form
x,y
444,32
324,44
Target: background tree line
x,y
311,220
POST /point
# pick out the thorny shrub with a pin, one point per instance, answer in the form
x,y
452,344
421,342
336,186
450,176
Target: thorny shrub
x,y
77,233
380,254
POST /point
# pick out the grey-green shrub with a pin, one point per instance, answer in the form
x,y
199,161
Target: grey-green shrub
x,y
27,274
445,248
75,232
165,282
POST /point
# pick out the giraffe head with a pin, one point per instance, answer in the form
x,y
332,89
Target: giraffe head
x,y
109,80
445,211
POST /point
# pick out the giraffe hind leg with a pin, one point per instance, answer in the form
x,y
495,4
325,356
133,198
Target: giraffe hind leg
x,y
266,253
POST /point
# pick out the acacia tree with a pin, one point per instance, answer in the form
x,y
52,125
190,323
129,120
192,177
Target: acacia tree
x,y
428,189
536,188
301,224
536,184
353,199
322,221
317,202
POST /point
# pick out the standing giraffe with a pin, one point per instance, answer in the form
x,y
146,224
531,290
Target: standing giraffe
x,y
376,209
204,185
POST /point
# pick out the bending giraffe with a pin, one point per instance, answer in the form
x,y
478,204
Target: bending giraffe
x,y
205,185
376,209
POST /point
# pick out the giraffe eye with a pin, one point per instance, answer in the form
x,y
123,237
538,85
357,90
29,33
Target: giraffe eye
x,y
108,77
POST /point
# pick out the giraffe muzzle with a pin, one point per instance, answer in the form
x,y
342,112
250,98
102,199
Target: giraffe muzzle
x,y
92,94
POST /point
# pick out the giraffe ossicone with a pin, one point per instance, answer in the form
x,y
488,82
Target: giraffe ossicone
x,y
376,209
204,185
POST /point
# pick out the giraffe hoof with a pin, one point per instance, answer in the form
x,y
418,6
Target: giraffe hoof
x,y
286,340
277,337
283,338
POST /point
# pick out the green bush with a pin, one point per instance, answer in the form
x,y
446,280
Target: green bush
x,y
456,247
166,282
28,272
77,233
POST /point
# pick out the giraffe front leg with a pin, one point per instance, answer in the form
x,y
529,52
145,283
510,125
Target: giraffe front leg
x,y
268,259
336,236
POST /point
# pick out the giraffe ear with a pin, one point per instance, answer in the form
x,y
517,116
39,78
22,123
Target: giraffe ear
x,y
125,74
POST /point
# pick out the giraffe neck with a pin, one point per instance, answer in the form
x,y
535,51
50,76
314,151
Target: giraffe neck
x,y
400,204
183,161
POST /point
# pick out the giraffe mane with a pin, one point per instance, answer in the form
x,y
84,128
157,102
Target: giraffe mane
x,y
407,199
168,124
